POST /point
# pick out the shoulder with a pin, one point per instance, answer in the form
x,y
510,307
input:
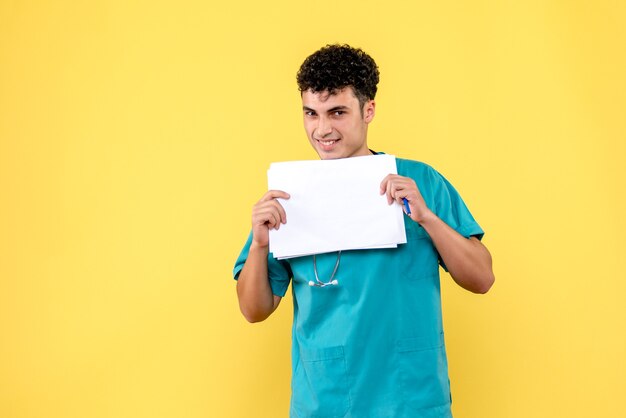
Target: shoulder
x,y
416,170
432,185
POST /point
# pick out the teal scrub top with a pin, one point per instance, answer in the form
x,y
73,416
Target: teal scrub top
x,y
373,346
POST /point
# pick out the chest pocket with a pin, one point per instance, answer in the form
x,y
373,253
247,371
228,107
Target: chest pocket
x,y
419,255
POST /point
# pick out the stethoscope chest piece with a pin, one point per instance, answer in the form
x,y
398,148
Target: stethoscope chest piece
x,y
332,281
323,284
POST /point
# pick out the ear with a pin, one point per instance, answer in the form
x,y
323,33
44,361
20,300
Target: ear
x,y
369,110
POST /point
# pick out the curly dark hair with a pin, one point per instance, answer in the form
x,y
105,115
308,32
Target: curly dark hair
x,y
335,67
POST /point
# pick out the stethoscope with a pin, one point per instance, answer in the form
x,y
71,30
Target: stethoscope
x,y
332,281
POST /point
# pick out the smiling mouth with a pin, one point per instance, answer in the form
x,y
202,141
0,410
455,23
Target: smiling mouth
x,y
327,142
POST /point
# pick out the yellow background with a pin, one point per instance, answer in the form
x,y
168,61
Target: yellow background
x,y
135,137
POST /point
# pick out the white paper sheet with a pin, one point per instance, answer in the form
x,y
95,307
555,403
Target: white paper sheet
x,y
335,205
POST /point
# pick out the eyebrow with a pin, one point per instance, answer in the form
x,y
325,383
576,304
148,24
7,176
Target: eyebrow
x,y
333,109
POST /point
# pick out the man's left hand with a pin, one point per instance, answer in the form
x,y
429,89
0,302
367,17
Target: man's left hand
x,y
397,188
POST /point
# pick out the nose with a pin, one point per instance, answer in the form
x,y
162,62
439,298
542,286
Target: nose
x,y
323,127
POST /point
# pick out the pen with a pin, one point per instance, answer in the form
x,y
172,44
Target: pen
x,y
407,208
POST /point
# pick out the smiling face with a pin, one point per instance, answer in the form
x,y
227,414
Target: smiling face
x,y
335,123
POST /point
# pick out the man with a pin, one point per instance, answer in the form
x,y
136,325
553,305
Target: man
x,y
372,346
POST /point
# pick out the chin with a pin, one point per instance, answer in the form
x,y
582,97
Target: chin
x,y
330,155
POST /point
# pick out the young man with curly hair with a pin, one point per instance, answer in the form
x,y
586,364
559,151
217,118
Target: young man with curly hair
x,y
373,346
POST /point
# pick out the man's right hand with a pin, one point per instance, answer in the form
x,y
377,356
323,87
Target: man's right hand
x,y
267,214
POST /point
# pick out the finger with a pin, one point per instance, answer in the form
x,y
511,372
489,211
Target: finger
x,y
272,220
398,185
280,211
274,194
273,205
398,195
401,191
390,191
383,184
265,216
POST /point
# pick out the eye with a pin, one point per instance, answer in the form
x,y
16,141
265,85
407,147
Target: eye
x,y
309,113
338,113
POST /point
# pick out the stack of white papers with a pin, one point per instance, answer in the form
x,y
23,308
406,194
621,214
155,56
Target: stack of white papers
x,y
335,205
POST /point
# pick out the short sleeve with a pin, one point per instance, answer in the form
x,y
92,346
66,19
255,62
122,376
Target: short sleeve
x,y
450,208
279,271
